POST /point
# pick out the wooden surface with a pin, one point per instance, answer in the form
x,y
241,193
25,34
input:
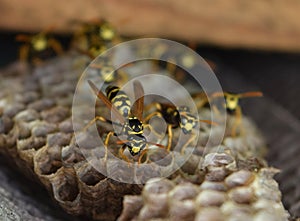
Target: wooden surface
x,y
234,23
24,200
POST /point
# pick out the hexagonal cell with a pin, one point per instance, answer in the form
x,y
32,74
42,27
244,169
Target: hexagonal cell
x,y
27,115
71,155
55,114
48,160
91,176
58,139
31,143
68,191
42,104
6,124
65,185
42,129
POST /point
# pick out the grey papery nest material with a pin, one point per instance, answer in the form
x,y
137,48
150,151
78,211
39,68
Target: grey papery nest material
x,y
227,182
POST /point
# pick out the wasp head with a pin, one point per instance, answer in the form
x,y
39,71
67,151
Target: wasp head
x,y
135,125
188,122
232,101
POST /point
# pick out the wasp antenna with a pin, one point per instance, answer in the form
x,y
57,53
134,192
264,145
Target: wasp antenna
x,y
99,66
252,94
217,94
156,144
200,94
209,122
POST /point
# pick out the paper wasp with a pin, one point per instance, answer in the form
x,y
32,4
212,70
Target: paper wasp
x,y
231,104
180,117
106,71
177,62
95,37
38,47
130,120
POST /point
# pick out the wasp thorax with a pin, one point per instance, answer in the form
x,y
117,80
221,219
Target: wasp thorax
x,y
188,122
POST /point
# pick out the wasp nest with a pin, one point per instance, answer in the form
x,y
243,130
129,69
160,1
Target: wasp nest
x,y
227,182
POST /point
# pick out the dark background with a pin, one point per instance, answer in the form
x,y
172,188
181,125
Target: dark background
x,y
277,74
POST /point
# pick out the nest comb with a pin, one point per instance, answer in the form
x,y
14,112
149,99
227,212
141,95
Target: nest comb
x,y
37,133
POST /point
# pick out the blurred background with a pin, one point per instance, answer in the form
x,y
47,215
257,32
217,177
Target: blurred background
x,y
257,41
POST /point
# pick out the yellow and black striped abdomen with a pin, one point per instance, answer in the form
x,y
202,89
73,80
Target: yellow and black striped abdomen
x,y
119,99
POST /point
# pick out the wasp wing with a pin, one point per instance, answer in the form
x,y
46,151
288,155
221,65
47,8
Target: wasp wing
x,y
252,94
138,106
107,102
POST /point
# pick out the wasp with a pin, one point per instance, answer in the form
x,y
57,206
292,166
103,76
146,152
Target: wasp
x,y
129,119
95,37
38,47
106,71
231,104
176,117
178,63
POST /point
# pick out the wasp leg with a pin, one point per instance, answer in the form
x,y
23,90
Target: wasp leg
x,y
171,65
108,135
238,121
160,136
23,53
56,46
201,103
141,155
94,120
121,153
203,99
152,105
155,65
146,120
190,140
148,117
170,136
106,143
215,109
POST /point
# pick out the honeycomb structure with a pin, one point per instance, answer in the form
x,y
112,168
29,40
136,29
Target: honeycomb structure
x,y
223,182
